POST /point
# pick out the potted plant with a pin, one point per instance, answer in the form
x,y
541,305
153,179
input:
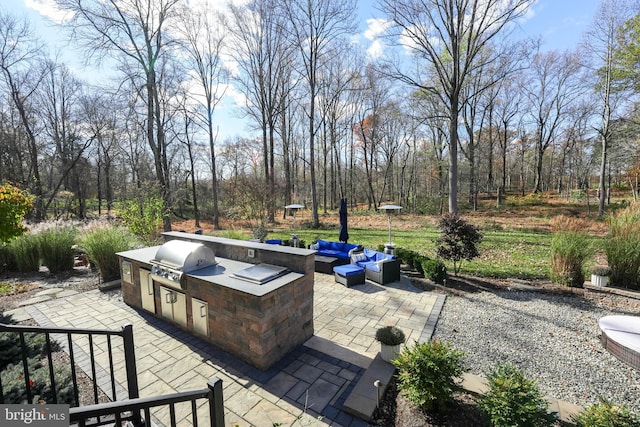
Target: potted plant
x,y
390,338
599,274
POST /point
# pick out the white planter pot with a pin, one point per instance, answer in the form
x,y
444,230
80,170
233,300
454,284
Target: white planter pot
x,y
598,280
389,352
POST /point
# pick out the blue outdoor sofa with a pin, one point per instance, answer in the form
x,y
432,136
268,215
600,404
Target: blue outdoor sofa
x,y
331,254
338,250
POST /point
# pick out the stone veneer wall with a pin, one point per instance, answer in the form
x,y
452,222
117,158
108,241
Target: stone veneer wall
x,y
295,259
258,330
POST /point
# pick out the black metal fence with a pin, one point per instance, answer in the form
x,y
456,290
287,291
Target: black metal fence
x,y
129,410
115,349
83,347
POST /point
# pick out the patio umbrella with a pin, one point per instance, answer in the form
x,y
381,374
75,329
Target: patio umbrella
x,y
344,234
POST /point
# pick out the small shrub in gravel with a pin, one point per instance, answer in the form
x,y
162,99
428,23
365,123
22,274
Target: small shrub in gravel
x,y
513,400
605,414
427,372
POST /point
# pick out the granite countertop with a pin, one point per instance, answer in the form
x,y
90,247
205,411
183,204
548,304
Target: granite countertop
x,y
220,274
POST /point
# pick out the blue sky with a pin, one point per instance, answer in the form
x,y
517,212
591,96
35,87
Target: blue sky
x,y
560,23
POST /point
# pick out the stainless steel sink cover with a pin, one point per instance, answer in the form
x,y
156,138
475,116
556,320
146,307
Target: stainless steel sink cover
x,y
261,273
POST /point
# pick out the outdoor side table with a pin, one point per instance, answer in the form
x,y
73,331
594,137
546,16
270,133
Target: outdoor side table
x,y
349,275
325,264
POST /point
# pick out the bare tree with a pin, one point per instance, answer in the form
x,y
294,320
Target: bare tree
x,y
258,34
450,34
22,72
315,25
601,42
554,85
132,32
203,41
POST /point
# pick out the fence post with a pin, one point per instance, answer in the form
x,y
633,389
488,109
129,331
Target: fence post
x,y
216,402
130,366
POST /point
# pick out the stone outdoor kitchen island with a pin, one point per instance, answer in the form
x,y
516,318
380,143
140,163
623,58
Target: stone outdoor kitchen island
x,y
254,301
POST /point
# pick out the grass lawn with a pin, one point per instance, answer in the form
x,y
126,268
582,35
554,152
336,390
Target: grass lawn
x,y
517,236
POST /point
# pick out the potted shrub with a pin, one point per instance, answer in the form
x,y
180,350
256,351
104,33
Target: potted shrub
x,y
390,338
599,274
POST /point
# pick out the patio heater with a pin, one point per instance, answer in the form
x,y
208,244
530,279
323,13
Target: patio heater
x,y
294,237
390,248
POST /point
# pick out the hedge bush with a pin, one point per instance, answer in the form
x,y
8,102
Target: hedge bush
x,y
434,270
14,205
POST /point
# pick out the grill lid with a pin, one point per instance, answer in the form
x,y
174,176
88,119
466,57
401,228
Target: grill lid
x,y
176,257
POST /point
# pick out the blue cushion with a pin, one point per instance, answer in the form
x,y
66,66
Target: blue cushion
x,y
347,270
337,246
323,244
370,265
370,253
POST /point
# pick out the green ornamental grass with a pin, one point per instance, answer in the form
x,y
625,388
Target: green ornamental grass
x,y
622,247
569,250
101,246
57,248
25,252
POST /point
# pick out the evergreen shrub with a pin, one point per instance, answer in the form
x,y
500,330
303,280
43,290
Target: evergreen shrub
x,y
427,373
605,414
513,400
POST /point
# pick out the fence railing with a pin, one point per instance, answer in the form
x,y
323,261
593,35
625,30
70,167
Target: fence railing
x,y
115,350
83,346
119,412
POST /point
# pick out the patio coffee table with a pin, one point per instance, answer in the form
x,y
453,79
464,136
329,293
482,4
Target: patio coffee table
x,y
325,264
349,275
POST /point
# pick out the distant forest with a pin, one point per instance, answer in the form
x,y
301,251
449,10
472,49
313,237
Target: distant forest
x,y
458,109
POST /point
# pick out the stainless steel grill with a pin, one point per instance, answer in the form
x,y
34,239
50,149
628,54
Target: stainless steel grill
x,y
177,257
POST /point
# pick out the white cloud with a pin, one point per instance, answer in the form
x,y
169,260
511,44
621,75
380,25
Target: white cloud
x,y
376,50
48,9
376,27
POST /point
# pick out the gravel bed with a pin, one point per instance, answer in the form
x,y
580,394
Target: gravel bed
x,y
553,339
